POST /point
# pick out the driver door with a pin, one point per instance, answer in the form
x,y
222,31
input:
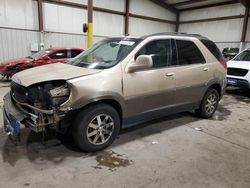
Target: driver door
x,y
149,91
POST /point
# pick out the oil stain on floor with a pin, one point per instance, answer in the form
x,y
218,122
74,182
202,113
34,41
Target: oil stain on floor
x,y
111,160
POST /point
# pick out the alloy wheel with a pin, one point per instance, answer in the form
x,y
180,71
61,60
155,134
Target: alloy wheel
x,y
100,129
211,103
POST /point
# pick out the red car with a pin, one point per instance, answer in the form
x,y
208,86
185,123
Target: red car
x,y
43,57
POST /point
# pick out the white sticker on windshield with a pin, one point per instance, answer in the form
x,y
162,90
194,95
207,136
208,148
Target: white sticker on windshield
x,y
126,42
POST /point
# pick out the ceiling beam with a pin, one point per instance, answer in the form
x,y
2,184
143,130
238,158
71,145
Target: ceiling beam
x,y
246,3
213,19
151,18
40,15
211,5
187,2
82,6
165,5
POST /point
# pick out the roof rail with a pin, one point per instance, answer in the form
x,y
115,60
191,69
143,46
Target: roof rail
x,y
176,34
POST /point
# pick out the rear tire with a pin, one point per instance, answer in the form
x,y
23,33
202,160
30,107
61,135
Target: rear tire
x,y
96,127
208,104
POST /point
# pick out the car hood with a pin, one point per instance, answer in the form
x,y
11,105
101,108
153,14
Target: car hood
x,y
239,64
57,71
13,62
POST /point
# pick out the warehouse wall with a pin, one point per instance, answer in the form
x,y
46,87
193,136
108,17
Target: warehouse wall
x,y
66,22
226,33
140,27
20,14
63,24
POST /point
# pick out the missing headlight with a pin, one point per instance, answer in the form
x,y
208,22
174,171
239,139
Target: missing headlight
x,y
59,95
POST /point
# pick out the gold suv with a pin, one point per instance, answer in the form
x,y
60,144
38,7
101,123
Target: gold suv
x,y
117,83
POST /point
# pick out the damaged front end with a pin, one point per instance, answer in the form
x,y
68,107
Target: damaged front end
x,y
37,106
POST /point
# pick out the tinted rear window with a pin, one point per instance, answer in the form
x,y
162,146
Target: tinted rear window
x,y
213,49
188,53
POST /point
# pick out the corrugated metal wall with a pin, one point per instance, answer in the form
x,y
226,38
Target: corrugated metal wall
x,y
63,24
139,27
16,43
226,33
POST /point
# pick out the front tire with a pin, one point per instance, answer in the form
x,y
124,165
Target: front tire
x,y
208,104
96,127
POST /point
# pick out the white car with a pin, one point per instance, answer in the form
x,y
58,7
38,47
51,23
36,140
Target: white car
x,y
238,72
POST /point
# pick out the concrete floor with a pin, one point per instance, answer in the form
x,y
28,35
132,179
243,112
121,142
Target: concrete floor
x,y
177,151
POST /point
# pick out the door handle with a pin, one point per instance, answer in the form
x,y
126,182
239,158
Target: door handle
x,y
170,74
206,69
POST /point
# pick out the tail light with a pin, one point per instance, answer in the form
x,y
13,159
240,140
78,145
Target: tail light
x,y
223,63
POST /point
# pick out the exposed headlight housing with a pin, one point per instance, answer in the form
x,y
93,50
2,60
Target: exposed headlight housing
x,y
59,95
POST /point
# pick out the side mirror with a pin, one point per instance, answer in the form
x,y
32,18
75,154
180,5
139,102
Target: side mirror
x,y
142,62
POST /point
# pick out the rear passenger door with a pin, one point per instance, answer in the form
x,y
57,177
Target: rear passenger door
x,y
191,74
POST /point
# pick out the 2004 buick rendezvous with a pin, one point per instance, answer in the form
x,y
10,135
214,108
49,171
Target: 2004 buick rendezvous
x,y
117,83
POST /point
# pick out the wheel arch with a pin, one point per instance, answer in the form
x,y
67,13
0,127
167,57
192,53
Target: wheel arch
x,y
112,102
66,123
217,87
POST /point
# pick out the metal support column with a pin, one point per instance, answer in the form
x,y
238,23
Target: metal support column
x,y
126,17
90,23
177,22
244,29
40,20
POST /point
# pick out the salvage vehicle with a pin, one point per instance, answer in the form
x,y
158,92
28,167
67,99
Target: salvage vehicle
x,y
119,82
238,72
43,57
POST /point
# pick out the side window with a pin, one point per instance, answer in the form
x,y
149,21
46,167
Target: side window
x,y
213,49
161,51
59,54
188,53
75,53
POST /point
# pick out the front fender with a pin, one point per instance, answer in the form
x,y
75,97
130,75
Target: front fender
x,y
84,101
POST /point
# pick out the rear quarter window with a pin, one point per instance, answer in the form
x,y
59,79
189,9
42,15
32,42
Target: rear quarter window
x,y
211,46
188,53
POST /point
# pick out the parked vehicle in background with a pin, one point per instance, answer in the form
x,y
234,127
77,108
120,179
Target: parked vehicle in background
x,y
230,53
117,83
238,72
43,57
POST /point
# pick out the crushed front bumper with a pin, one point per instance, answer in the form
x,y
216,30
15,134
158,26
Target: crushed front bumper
x,y
12,117
15,113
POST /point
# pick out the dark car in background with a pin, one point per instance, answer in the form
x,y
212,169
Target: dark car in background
x,y
230,53
43,57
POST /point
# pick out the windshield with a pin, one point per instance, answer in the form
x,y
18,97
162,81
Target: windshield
x,y
39,54
243,56
106,53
